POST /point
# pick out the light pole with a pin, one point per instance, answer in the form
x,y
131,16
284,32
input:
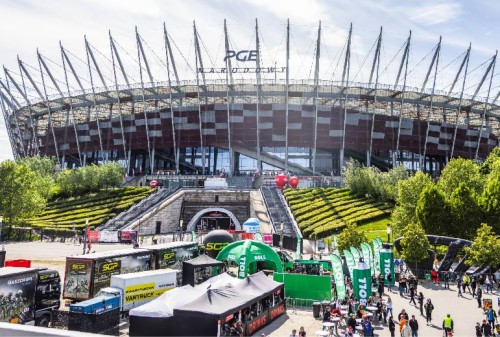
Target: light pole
x,y
1,226
388,233
281,235
181,222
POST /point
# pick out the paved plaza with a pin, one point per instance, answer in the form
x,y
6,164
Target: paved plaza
x,y
463,310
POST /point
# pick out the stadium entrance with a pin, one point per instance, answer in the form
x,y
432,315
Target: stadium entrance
x,y
215,220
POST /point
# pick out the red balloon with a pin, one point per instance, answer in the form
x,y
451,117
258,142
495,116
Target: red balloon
x,y
153,184
281,180
293,182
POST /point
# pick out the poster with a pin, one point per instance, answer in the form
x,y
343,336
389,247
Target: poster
x,y
78,278
105,268
173,257
17,297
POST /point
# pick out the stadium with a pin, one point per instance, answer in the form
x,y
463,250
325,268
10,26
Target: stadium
x,y
246,118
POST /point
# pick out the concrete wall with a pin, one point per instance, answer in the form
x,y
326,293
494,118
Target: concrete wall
x,y
14,330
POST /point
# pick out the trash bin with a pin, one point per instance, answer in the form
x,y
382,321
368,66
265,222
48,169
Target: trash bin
x,y
316,309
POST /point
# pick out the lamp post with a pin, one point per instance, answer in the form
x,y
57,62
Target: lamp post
x,y
1,226
388,233
281,235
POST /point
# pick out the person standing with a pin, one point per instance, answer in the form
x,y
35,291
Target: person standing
x,y
389,282
406,331
486,329
388,306
479,296
302,332
466,283
473,285
414,326
380,289
392,326
487,282
459,286
421,303
429,307
479,333
447,325
491,315
446,280
294,333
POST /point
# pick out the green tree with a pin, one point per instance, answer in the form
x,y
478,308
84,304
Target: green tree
x,y
492,162
466,215
44,168
490,200
111,175
408,193
457,171
485,248
432,212
20,195
414,244
350,237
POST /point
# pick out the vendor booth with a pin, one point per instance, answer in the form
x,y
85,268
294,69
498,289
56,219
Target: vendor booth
x,y
200,269
251,256
215,306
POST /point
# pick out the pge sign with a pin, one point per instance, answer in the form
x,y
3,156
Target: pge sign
x,y
242,55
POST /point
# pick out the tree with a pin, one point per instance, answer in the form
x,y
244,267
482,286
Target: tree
x,y
490,200
432,212
350,237
20,195
44,168
457,171
492,162
485,247
466,215
408,193
414,244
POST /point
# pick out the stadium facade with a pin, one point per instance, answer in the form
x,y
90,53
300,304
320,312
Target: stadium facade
x,y
306,127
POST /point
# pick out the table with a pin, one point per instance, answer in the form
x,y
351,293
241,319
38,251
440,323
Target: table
x,y
334,319
344,312
345,306
322,333
359,320
328,324
368,314
371,308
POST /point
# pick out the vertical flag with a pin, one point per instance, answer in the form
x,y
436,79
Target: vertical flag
x,y
194,237
356,254
338,274
387,264
298,252
349,259
367,255
362,282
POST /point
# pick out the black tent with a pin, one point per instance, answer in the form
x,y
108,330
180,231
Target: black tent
x,y
211,303
200,268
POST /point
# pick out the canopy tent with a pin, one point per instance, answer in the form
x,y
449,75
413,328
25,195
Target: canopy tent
x,y
217,299
246,254
191,268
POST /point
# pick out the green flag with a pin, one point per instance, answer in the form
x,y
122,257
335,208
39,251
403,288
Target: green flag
x,y
338,274
376,255
356,254
367,255
362,284
298,252
193,236
349,259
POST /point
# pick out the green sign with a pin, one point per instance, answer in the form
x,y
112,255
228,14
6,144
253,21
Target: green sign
x,y
305,287
377,245
349,259
338,274
356,254
362,282
387,264
298,253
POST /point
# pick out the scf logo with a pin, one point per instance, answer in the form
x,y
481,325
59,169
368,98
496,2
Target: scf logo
x,y
363,294
387,267
242,267
242,55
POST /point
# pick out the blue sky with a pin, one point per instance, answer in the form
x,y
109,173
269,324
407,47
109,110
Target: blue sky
x,y
28,25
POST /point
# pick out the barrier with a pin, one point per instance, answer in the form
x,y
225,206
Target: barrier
x,y
18,263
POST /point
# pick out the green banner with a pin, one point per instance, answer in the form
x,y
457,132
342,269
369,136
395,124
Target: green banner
x,y
376,255
356,254
349,259
193,236
362,283
387,264
305,287
368,255
338,274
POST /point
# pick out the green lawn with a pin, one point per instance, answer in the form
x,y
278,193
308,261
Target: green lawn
x,y
376,228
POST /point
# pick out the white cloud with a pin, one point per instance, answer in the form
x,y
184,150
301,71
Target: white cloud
x,y
435,13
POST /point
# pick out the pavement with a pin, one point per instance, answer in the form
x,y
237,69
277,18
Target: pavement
x,y
463,310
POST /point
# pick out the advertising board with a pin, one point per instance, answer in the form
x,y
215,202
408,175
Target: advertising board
x,y
78,278
17,297
173,257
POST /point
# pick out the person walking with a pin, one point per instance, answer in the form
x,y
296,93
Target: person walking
x,y
414,326
412,294
459,286
488,284
447,325
429,307
421,303
389,282
380,288
466,280
392,326
479,296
